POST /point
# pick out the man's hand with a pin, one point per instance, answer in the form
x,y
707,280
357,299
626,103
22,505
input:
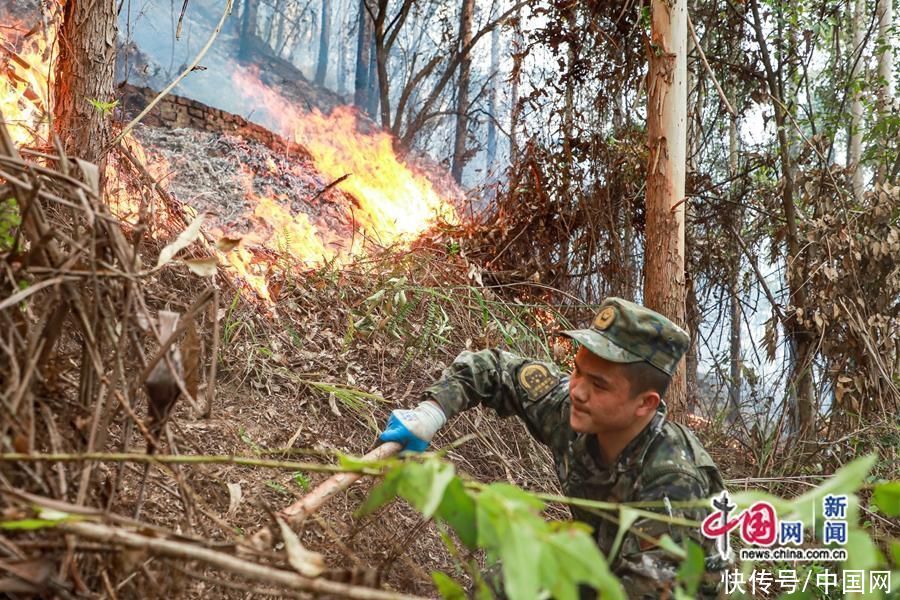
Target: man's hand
x,y
413,429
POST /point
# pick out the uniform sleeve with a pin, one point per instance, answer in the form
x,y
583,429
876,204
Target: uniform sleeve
x,y
510,385
646,570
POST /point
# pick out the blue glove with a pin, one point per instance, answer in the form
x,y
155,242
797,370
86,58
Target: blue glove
x,y
413,429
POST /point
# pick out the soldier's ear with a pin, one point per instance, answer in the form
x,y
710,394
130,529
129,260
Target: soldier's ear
x,y
649,402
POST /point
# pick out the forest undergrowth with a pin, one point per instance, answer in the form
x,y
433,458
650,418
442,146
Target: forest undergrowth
x,y
288,386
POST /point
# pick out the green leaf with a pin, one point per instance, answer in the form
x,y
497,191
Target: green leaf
x,y
509,531
887,498
104,107
277,487
580,561
846,480
423,484
691,570
28,524
627,517
302,480
382,493
446,587
862,554
669,545
895,552
458,510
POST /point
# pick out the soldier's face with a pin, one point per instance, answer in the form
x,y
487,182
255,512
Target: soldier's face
x,y
601,396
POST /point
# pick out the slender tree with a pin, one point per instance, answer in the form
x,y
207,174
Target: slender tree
x,y
84,77
494,107
516,49
363,51
802,343
462,94
324,36
664,283
248,29
695,99
568,126
885,72
854,148
372,93
735,362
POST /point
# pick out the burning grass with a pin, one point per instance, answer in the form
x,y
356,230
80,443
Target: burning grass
x,y
314,373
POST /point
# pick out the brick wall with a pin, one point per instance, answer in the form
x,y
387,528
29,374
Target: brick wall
x,y
176,112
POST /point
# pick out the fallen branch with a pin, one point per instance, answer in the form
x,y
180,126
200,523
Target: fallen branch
x,y
329,186
297,512
227,562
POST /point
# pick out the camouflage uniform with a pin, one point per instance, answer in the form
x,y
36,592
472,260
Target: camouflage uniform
x,y
665,462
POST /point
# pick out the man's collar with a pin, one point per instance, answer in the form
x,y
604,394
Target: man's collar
x,y
634,451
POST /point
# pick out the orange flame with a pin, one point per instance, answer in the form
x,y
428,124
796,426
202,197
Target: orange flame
x,y
25,91
395,203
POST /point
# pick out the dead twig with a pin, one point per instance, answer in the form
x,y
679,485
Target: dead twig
x,y
249,570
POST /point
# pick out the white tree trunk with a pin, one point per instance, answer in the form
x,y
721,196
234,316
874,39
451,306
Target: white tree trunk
x,y
664,283
854,148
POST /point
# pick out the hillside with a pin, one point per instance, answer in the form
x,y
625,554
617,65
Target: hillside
x,y
217,313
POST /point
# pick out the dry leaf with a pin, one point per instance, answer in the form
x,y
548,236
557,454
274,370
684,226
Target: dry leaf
x,y
234,498
227,244
308,564
91,174
332,403
184,239
204,267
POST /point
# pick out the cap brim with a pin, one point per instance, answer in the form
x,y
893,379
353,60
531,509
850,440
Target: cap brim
x,y
602,346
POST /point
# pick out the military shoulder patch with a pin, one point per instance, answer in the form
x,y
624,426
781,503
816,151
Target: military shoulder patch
x,y
536,379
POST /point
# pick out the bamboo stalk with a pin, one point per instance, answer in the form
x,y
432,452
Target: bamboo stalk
x,y
188,459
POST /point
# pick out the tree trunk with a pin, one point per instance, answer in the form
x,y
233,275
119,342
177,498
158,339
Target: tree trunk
x,y
800,394
664,283
342,67
491,153
885,75
694,89
278,43
248,29
517,44
854,148
373,94
84,73
733,414
324,35
462,94
363,52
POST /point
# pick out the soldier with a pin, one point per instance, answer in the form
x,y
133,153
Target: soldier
x,y
605,424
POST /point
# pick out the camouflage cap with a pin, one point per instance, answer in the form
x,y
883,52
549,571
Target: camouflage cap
x,y
625,332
